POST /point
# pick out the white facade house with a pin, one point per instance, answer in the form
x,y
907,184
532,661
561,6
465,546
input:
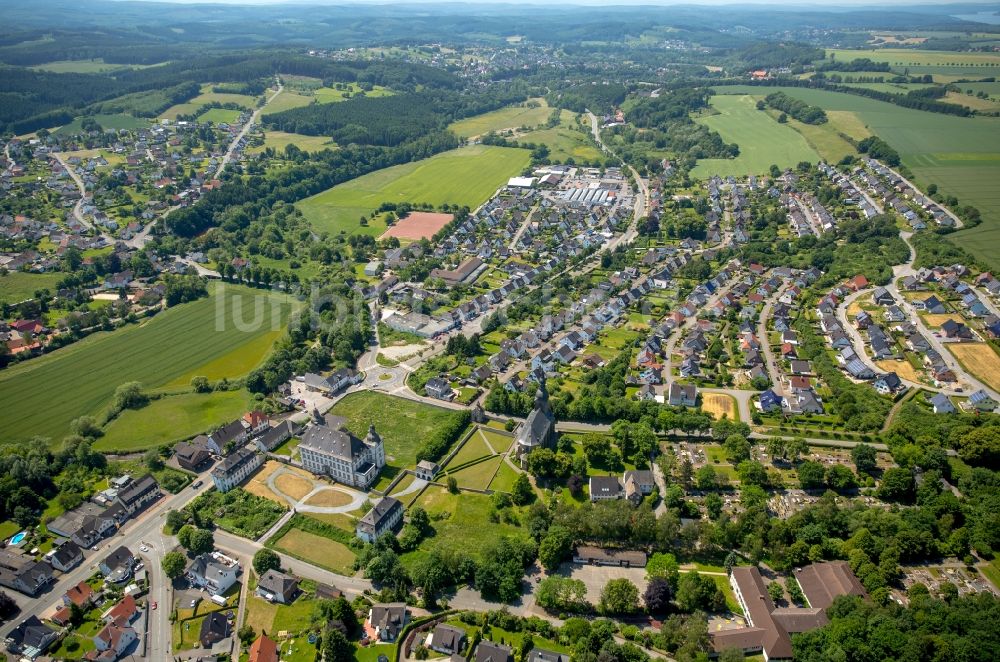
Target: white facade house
x,y
340,455
235,469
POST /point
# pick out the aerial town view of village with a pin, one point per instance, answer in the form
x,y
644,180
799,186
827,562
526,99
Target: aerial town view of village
x,y
598,333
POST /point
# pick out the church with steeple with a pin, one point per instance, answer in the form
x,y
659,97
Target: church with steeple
x,y
539,429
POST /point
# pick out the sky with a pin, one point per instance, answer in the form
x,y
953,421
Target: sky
x,y
827,4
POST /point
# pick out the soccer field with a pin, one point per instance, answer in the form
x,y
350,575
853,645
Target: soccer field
x,y
42,396
762,140
466,176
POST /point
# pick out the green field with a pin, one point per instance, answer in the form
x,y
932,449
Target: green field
x,y
504,480
288,100
466,524
219,116
762,140
466,176
49,392
278,140
172,418
120,121
565,141
16,286
478,476
403,424
208,96
318,550
473,449
95,66
959,154
331,95
531,113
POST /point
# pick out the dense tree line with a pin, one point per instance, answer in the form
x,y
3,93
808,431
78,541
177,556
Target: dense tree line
x,y
599,99
768,55
391,120
796,108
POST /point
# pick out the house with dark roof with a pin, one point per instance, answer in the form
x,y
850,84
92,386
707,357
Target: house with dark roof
x,y
275,586
604,488
542,655
487,651
888,384
941,404
768,401
447,639
277,435
117,566
387,620
340,455
138,494
638,484
66,557
212,574
439,388
214,629
228,436
539,428
193,455
23,573
384,517
235,468
682,395
30,638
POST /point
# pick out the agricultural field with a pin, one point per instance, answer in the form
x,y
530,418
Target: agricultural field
x,y
117,121
403,424
904,369
467,176
278,140
532,113
16,286
762,140
219,116
288,100
208,96
980,359
419,225
172,418
959,154
198,338
924,62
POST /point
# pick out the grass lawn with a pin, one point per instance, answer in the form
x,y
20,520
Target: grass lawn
x,y
267,617
504,480
531,113
466,176
403,424
762,140
371,653
16,286
172,418
466,526
219,116
992,572
473,449
288,448
278,140
189,339
317,550
512,639
565,141
404,483
959,154
479,475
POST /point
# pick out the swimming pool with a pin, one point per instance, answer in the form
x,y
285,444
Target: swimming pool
x,y
18,538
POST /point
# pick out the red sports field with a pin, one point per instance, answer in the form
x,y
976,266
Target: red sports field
x,y
418,225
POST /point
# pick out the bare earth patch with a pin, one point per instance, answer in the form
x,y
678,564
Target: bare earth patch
x,y
718,404
258,483
938,320
295,487
330,498
418,225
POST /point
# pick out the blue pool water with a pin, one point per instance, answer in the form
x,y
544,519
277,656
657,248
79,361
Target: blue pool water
x,y
16,540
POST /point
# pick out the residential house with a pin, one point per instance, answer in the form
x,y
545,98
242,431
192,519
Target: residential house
x,y
81,595
982,401
214,628
487,651
941,404
263,649
384,517
387,620
542,655
228,437
23,573
277,435
603,488
138,494
66,557
193,455
682,395
888,384
30,638
768,401
235,468
213,573
278,587
118,564
438,388
447,639
638,484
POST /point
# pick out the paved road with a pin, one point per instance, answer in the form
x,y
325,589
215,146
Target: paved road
x,y
765,346
78,207
147,527
243,132
524,226
639,209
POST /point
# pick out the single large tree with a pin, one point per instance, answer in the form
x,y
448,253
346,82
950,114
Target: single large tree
x,y
266,559
336,647
173,564
619,596
657,596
